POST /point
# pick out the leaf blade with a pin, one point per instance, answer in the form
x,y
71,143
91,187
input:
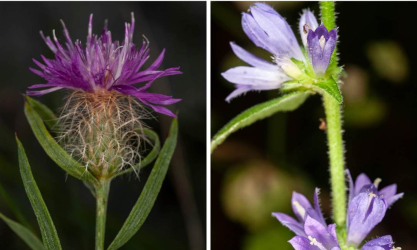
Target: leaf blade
x,y
258,112
147,198
24,233
53,150
48,231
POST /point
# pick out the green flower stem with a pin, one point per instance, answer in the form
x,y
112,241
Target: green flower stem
x,y
334,133
102,194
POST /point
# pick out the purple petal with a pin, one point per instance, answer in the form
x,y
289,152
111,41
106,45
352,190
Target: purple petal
x,y
42,92
301,243
319,232
240,89
388,191
317,209
365,211
394,198
277,29
320,46
258,79
311,21
251,59
160,109
158,61
300,205
291,223
361,180
381,243
351,186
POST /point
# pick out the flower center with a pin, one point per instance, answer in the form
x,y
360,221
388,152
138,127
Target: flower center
x,y
299,209
314,242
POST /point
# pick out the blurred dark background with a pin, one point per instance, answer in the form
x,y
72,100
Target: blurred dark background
x,y
256,169
177,220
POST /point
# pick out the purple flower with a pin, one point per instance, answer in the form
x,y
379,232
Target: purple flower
x,y
320,46
269,30
381,243
319,237
310,227
363,183
103,65
367,207
302,209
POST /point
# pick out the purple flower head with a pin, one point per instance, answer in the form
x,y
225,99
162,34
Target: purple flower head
x,y
302,209
320,47
269,30
381,243
103,65
363,183
318,237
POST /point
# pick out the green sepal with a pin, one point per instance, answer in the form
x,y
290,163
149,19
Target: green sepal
x,y
49,234
24,233
150,192
287,102
332,88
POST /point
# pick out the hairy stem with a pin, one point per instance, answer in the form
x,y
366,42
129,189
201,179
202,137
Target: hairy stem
x,y
102,194
334,133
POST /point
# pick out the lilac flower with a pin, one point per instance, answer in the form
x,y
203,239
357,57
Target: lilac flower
x,y
367,207
363,183
310,228
103,65
269,30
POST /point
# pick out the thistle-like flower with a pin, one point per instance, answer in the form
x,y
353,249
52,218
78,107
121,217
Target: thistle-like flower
x,y
269,30
367,207
101,121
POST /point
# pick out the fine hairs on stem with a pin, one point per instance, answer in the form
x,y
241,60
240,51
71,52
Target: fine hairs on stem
x,y
103,130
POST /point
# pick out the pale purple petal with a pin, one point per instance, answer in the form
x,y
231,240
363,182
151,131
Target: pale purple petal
x,y
361,180
300,205
351,185
240,89
320,233
277,29
301,243
259,79
251,59
394,198
307,21
381,243
365,211
291,223
317,209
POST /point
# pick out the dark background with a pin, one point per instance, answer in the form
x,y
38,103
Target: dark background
x,y
256,169
177,220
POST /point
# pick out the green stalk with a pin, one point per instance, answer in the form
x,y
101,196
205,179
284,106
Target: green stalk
x,y
102,194
334,133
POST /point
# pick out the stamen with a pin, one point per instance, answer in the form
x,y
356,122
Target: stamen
x,y
377,181
299,209
322,42
396,248
314,242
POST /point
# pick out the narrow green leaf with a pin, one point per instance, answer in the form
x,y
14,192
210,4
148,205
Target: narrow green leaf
x,y
258,112
47,116
25,234
48,231
151,190
332,88
150,157
53,150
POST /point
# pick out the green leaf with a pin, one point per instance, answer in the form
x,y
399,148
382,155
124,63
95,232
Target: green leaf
x,y
287,102
150,157
332,88
151,190
47,116
25,234
53,150
48,231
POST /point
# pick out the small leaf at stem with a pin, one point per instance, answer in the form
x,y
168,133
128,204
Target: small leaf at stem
x,y
24,233
332,88
150,192
287,102
49,235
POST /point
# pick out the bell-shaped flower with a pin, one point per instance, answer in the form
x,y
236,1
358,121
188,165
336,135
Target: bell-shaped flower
x,y
363,183
269,30
302,209
381,243
318,237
